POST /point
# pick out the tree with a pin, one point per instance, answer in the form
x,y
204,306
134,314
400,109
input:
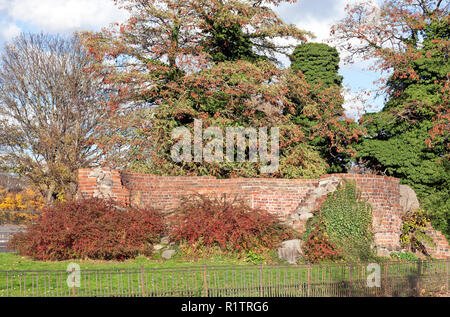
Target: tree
x,y
232,94
326,126
410,39
50,109
408,139
399,150
176,61
318,62
165,40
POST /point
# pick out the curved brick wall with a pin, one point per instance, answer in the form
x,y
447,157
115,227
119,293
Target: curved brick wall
x,y
281,196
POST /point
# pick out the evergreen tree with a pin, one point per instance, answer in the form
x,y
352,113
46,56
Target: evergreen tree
x,y
318,62
408,139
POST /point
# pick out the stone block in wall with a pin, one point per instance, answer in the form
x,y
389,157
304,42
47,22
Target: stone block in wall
x,y
408,199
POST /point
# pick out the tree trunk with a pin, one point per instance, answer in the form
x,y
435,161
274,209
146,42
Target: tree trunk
x,y
49,198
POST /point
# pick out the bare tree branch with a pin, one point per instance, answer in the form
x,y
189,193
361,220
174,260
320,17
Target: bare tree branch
x,y
50,109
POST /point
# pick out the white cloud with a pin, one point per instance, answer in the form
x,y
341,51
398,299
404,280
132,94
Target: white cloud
x,y
64,16
4,4
316,16
8,31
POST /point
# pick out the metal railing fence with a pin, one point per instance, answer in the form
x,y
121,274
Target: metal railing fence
x,y
306,280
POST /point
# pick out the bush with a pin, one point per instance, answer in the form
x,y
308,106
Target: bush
x,y
404,256
413,236
91,228
343,224
318,246
227,223
21,200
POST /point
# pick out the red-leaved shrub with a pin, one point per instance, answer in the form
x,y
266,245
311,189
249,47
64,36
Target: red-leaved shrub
x,y
91,228
318,246
228,223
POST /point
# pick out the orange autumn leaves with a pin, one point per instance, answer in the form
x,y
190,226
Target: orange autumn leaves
x,y
401,38
160,68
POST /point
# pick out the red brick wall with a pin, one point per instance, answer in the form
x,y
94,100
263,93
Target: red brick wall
x,y
88,185
281,196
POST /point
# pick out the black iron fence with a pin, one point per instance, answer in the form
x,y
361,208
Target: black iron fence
x,y
315,280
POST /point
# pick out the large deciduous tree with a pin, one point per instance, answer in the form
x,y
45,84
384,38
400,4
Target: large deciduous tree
x,y
50,109
176,61
163,41
408,139
410,39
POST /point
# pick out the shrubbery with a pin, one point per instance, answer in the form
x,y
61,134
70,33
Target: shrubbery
x,y
20,200
414,227
17,203
227,223
91,228
404,256
341,228
318,246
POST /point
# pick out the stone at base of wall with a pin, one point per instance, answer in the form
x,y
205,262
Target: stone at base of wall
x,y
291,251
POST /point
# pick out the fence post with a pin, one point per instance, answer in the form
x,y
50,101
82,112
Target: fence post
x,y
419,273
205,281
73,282
142,281
446,274
309,280
261,280
386,281
350,284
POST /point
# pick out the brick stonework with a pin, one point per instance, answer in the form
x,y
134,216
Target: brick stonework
x,y
281,196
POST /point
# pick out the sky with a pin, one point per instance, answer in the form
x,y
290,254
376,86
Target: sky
x,y
66,16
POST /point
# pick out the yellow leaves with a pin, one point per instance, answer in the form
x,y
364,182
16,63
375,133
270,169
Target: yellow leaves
x,y
61,197
26,200
17,217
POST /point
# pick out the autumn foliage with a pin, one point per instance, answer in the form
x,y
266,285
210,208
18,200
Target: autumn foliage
x,y
408,40
318,246
16,207
227,222
174,61
93,229
24,200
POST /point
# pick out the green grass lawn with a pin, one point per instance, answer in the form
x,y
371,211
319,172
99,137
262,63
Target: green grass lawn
x,y
15,262
119,277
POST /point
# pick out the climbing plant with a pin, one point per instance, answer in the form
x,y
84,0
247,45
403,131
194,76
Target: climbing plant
x,y
345,223
413,236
